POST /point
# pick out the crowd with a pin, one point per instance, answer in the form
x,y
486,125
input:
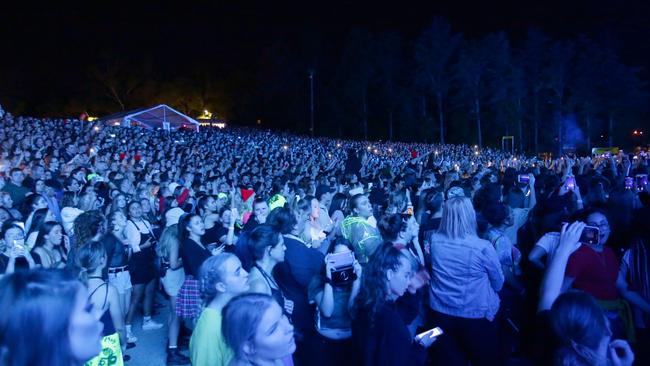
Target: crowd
x,y
280,249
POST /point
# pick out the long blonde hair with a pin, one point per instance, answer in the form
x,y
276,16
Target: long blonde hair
x,y
458,218
168,237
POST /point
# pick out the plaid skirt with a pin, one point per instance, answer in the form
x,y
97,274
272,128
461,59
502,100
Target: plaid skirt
x,y
188,301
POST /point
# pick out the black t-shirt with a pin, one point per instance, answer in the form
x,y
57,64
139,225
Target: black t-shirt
x,y
193,255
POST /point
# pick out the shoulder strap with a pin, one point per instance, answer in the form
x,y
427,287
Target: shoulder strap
x,y
105,296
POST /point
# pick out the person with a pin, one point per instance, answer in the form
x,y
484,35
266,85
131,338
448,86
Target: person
x,y
54,306
15,187
142,241
91,259
267,246
465,278
117,251
333,321
259,333
49,251
380,335
594,269
168,252
193,254
14,254
222,278
357,229
585,334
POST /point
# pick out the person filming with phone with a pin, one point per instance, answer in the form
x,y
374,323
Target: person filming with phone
x,y
594,267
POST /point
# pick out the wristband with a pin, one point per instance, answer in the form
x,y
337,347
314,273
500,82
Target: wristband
x,y
328,280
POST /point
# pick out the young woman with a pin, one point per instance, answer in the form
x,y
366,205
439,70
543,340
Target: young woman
x,y
465,278
594,269
168,251
193,253
268,248
584,333
48,250
54,306
91,259
379,333
257,331
357,229
333,300
117,251
140,237
14,255
222,278
38,218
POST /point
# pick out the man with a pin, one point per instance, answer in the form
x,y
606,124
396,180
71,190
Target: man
x,y
260,213
15,187
37,172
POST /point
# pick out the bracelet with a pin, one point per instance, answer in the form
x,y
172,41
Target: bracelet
x,y
579,201
328,280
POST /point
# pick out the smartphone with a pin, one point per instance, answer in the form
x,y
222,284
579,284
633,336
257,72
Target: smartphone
x,y
642,182
409,210
431,333
570,183
629,182
590,235
523,178
340,260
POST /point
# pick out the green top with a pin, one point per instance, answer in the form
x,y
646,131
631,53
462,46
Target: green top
x,y
364,238
207,346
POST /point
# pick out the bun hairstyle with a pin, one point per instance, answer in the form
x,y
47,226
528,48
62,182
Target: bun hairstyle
x,y
89,258
210,273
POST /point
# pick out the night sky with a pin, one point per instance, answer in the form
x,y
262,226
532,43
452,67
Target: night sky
x,y
48,49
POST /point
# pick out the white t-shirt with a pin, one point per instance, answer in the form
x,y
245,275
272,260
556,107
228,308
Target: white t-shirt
x,y
549,242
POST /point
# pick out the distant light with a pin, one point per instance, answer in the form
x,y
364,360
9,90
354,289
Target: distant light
x,y
96,128
390,150
369,147
475,152
116,124
285,147
259,121
338,145
112,135
436,152
375,151
476,146
90,119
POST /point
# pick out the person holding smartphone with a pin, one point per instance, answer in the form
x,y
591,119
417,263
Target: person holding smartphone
x,y
380,335
14,254
333,300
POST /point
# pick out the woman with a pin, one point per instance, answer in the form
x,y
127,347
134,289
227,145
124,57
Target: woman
x,y
268,249
584,333
32,203
54,306
222,278
14,255
379,333
257,331
119,204
333,301
38,218
117,251
168,252
594,269
142,268
338,207
193,253
91,259
466,276
357,229
48,250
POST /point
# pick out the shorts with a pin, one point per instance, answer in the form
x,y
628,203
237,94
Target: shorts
x,y
121,281
173,281
142,267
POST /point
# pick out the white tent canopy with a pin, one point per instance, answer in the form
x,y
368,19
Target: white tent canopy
x,y
161,116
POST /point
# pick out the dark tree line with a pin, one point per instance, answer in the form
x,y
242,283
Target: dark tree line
x,y
436,86
443,87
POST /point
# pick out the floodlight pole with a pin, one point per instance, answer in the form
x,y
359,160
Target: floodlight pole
x,y
311,102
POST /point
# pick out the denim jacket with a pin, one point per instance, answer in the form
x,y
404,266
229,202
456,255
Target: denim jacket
x,y
465,278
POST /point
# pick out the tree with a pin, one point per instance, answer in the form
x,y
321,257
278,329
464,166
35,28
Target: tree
x,y
474,73
389,65
434,52
558,73
533,60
